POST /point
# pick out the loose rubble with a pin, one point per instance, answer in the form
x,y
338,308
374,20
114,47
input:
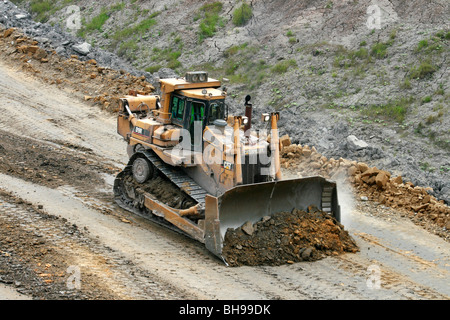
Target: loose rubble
x,y
373,184
97,84
287,237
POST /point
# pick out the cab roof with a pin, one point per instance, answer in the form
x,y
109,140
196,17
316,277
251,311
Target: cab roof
x,y
205,93
173,84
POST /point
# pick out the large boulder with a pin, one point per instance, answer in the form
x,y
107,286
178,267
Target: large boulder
x,y
353,143
83,48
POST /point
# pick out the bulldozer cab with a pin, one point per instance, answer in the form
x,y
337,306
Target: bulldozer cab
x,y
194,114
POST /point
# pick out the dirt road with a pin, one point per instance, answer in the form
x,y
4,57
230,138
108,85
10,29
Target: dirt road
x,y
59,225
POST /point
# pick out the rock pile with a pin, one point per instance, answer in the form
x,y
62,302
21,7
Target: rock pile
x,y
372,184
378,185
99,85
53,38
287,237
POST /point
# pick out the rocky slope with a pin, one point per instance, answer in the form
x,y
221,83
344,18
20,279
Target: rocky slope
x,y
377,70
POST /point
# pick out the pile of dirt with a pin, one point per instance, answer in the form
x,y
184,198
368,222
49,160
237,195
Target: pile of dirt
x,y
99,85
287,237
371,183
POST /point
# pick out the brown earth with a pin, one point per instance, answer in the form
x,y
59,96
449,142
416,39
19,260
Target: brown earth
x,y
36,265
50,164
287,237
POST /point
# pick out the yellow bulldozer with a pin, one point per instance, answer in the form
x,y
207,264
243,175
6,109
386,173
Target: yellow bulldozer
x,y
195,168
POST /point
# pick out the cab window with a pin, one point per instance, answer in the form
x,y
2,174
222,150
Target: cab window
x,y
177,108
216,111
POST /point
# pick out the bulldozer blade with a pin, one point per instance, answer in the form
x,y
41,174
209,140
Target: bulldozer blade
x,y
253,202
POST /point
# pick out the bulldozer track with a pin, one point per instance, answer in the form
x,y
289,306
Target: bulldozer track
x,y
177,179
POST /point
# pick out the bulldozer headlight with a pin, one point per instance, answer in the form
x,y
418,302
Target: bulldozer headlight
x,y
196,76
265,117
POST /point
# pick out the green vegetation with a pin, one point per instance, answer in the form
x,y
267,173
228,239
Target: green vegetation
x,y
426,99
127,49
95,24
424,70
422,44
379,50
362,53
126,39
242,15
283,66
434,44
239,66
41,8
168,56
138,30
234,50
393,110
406,84
211,19
154,68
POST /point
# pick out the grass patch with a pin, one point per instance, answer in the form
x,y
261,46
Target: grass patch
x,y
168,55
242,15
422,44
127,49
239,67
425,69
95,24
426,99
153,69
392,111
42,9
234,50
406,84
379,50
138,30
283,66
211,19
434,44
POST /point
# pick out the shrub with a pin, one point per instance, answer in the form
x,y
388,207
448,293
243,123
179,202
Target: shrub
x,y
97,22
422,44
283,66
393,110
208,25
242,15
426,99
425,69
379,50
42,9
139,29
153,69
